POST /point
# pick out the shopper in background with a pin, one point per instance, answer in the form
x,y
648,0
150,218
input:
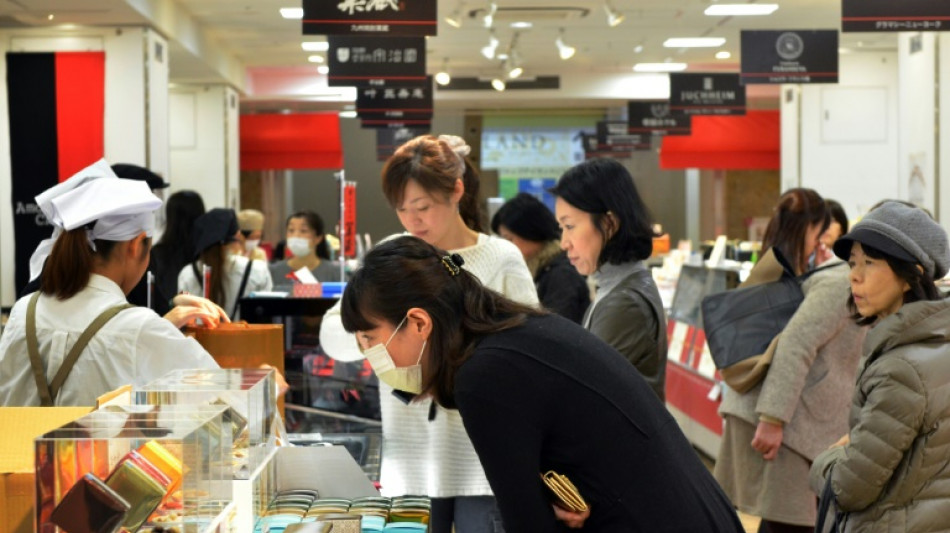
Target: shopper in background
x,y
607,233
176,247
890,472
434,190
306,241
774,431
836,228
251,229
535,392
99,252
233,276
530,225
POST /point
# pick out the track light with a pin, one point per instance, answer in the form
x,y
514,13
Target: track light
x,y
489,51
513,69
489,18
454,19
614,17
443,77
498,84
566,52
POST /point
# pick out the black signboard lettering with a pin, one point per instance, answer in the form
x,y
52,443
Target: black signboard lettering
x,y
895,15
707,94
395,102
396,123
379,18
365,61
655,117
389,139
792,56
615,136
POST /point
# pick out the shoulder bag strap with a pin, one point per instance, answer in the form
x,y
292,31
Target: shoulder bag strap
x,y
826,504
80,345
32,347
240,293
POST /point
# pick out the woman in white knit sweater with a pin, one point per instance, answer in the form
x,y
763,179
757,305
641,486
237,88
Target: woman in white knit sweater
x,y
434,190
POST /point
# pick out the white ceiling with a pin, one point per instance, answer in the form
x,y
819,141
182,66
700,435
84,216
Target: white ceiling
x,y
255,34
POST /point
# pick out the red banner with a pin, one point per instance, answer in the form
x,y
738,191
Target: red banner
x,y
349,220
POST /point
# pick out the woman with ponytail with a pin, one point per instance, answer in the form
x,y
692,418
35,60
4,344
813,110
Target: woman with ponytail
x,y
433,187
535,392
77,337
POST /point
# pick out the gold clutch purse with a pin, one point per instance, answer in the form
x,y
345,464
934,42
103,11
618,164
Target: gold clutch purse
x,y
564,491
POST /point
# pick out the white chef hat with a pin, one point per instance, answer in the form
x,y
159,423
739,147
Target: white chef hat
x,y
119,208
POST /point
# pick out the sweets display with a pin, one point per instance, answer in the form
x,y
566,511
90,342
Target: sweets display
x,y
295,511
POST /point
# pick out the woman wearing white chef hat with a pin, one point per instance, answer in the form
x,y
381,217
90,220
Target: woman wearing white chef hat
x,y
78,337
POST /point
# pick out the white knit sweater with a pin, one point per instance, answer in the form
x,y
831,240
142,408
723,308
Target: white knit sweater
x,y
435,458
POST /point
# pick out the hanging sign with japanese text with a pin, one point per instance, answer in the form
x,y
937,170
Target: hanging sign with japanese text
x,y
396,123
379,18
395,102
366,61
707,94
389,139
349,219
615,136
655,117
793,56
895,15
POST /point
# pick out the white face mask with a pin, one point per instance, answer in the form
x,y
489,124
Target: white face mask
x,y
250,246
404,378
299,246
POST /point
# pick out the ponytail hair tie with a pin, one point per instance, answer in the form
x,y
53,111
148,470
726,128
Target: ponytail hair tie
x,y
453,263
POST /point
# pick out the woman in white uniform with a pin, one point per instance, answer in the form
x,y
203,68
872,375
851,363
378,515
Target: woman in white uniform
x,y
78,337
233,276
434,191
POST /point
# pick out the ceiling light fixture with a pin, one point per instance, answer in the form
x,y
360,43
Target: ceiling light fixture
x,y
454,19
659,67
637,49
315,46
49,17
514,70
291,12
521,25
614,17
323,69
498,84
740,10
316,58
722,54
694,42
443,77
565,51
489,51
489,19
348,114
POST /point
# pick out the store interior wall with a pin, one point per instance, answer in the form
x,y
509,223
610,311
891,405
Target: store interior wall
x,y
917,102
663,191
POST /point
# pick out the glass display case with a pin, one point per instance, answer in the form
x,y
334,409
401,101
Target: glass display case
x,y
135,468
250,395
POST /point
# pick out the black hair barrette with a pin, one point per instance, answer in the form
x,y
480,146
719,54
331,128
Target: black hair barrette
x,y
453,263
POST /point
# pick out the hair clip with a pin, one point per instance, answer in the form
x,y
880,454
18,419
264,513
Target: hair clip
x,y
453,263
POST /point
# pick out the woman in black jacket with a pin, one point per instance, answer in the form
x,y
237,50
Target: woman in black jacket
x,y
536,392
530,225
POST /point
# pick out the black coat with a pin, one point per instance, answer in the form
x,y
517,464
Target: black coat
x,y
549,395
561,289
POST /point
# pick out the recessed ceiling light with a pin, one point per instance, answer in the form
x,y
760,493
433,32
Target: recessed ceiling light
x,y
316,59
694,42
291,12
723,55
348,114
315,46
659,67
740,10
521,25
443,78
49,17
638,48
323,69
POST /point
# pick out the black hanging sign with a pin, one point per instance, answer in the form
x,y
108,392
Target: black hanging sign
x,y
615,136
707,94
366,61
895,15
655,117
793,56
395,123
388,140
379,18
395,102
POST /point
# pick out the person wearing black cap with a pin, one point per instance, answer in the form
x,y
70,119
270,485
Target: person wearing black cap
x,y
232,275
891,471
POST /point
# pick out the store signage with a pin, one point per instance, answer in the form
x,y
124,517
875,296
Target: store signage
x,y
390,139
349,219
366,61
395,102
592,149
614,136
707,94
655,117
793,56
379,18
895,15
396,123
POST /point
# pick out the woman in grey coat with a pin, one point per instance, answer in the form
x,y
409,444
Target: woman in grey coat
x,y
774,431
891,472
606,232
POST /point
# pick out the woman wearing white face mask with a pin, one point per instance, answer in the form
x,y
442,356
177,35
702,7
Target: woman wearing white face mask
x,y
308,244
232,275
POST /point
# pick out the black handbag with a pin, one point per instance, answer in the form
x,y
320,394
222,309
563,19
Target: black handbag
x,y
827,504
741,323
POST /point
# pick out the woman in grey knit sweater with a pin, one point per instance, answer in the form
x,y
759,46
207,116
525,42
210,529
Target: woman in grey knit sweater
x,y
774,431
